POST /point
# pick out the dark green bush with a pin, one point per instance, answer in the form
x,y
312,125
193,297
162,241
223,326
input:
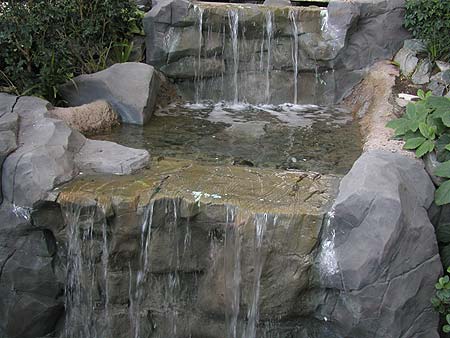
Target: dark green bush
x,y
43,43
429,20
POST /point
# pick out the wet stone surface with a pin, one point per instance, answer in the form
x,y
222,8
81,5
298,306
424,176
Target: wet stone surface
x,y
303,137
190,245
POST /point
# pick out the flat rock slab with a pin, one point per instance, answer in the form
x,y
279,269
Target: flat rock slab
x,y
116,158
257,190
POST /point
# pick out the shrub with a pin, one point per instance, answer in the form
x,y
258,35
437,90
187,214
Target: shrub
x,y
441,299
429,20
425,128
45,43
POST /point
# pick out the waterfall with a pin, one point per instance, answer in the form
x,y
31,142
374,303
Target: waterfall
x,y
232,266
328,265
81,301
261,59
144,258
269,32
292,17
105,264
248,53
260,223
198,68
173,278
233,20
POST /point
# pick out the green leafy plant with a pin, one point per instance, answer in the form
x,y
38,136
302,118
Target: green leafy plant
x,y
45,43
425,128
122,51
441,299
429,20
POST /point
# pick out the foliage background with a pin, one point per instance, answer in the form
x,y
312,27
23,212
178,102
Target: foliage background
x,y
45,43
429,20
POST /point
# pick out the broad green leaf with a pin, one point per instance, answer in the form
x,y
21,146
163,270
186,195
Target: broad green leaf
x,y
414,143
421,94
443,233
437,124
443,170
413,125
422,111
446,119
447,147
438,286
432,132
442,197
397,123
410,134
439,105
425,148
442,153
411,111
446,328
424,130
445,255
436,302
447,318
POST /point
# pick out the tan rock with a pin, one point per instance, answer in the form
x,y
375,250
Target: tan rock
x,y
370,101
92,118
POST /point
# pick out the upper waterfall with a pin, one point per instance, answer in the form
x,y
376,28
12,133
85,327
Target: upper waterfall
x,y
246,53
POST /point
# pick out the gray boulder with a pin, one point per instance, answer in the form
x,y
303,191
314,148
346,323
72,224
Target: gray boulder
x,y
130,88
30,292
417,46
7,145
380,255
51,153
438,89
440,83
407,61
431,163
110,158
443,66
8,130
442,77
44,160
422,73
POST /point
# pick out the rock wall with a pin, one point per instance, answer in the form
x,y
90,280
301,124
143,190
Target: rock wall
x,y
379,254
264,54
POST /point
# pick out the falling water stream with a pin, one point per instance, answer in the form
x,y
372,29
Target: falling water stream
x,y
233,17
269,32
293,19
141,278
232,266
198,67
84,306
